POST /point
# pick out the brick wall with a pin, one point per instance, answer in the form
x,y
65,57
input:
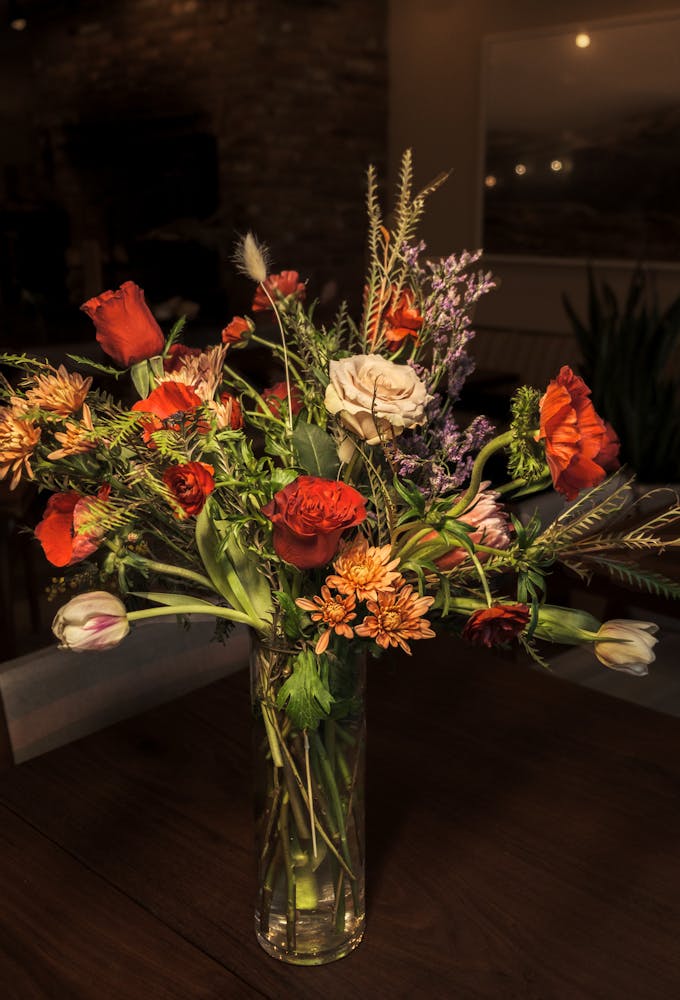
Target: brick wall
x,y
292,95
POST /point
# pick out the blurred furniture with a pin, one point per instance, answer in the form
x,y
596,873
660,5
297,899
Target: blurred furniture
x,y
522,843
52,697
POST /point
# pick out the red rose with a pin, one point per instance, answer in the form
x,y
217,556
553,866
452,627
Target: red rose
x,y
172,362
126,329
235,331
228,411
279,286
278,394
190,484
579,448
496,625
58,532
402,319
309,517
168,399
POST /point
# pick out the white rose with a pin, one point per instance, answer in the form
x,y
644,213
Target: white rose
x,y
374,397
626,645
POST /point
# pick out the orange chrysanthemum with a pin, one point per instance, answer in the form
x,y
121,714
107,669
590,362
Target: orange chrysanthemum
x,y
18,439
59,391
365,571
394,618
75,439
334,611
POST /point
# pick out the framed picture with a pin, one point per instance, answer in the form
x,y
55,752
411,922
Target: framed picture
x,y
582,141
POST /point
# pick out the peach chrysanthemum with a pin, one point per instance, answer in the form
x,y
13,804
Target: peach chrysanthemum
x,y
394,618
76,438
334,611
59,391
202,372
365,571
18,439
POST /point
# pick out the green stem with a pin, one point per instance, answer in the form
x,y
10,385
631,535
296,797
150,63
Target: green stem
x,y
336,806
501,441
289,415
275,347
514,484
193,609
290,874
168,569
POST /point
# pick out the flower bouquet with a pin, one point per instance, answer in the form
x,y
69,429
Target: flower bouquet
x,y
338,513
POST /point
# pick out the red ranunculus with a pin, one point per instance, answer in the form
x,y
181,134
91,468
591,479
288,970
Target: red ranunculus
x,y
309,517
277,395
496,625
235,331
579,448
190,484
58,532
279,286
166,400
172,362
402,319
126,329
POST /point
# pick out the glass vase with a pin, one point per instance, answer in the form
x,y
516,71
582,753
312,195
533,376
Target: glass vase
x,y
309,813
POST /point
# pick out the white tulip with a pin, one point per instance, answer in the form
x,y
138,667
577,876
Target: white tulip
x,y
627,645
94,621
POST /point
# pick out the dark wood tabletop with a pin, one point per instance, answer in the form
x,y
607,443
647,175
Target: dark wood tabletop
x,y
523,834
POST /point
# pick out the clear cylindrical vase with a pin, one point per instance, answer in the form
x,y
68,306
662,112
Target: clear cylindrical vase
x,y
309,813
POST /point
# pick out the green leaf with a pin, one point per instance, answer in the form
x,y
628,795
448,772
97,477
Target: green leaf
x,y
141,378
304,695
170,600
280,478
316,450
292,615
96,365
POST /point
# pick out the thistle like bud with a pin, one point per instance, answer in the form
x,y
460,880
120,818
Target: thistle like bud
x,y
252,258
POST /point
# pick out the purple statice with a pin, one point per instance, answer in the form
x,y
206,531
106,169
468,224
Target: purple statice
x,y
439,458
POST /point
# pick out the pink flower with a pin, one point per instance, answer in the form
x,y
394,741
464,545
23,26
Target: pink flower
x,y
491,524
94,621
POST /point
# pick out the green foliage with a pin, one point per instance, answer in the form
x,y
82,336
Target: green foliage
x,y
316,450
304,694
527,456
97,366
626,353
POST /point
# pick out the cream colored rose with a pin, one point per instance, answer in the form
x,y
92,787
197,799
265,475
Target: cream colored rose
x,y
375,398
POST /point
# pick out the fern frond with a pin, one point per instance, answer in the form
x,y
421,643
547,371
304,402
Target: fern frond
x,y
634,576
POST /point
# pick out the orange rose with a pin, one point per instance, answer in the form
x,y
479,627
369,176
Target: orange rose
x,y
126,329
279,286
190,484
496,625
278,394
579,448
402,319
235,331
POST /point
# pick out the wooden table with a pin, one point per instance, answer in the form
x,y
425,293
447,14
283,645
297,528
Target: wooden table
x,y
524,842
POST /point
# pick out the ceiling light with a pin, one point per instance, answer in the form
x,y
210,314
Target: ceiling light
x,y
490,181
556,166
520,169
582,40
18,23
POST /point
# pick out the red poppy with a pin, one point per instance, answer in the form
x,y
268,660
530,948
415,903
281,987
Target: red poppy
x,y
190,485
579,449
172,362
126,329
58,532
496,625
279,286
278,394
235,331
166,400
402,319
309,518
